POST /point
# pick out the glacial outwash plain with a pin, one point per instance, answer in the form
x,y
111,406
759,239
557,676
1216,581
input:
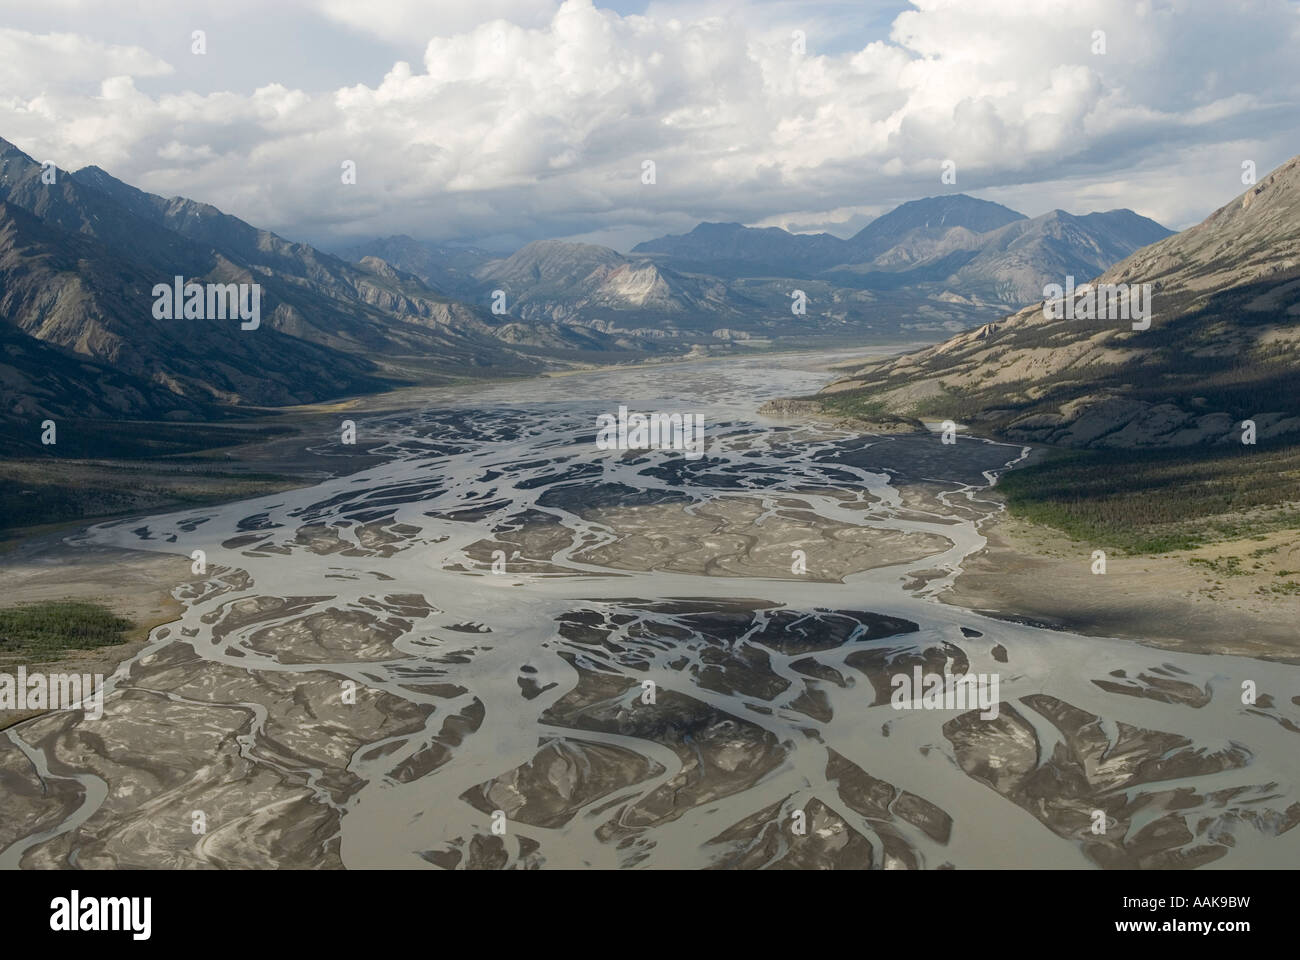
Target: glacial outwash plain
x,y
491,645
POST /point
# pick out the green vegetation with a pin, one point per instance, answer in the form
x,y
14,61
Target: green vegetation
x,y
865,405
133,440
1224,566
1290,588
36,492
867,412
42,631
1158,501
853,404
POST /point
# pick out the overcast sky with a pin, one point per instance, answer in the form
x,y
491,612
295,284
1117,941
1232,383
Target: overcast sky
x,y
502,121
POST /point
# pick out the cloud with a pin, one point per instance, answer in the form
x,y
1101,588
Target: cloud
x,y
537,123
398,21
34,64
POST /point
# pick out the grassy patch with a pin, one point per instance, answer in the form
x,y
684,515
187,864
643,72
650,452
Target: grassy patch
x,y
1290,588
853,405
42,631
871,413
1224,566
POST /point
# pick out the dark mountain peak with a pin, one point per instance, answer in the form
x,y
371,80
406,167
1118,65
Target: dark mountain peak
x,y
710,228
141,202
95,172
99,178
736,250
934,214
1119,213
9,151
704,232
18,171
209,229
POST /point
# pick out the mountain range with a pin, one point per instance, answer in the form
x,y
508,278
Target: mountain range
x,y
1223,347
927,267
81,253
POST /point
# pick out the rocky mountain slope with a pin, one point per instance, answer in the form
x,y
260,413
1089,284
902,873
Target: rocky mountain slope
x,y
1013,263
79,260
1003,268
1223,346
589,285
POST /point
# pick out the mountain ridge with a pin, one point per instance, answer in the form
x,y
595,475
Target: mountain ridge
x,y
80,257
1222,348
928,269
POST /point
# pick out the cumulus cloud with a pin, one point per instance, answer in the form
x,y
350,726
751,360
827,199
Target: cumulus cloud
x,y
526,119
33,65
399,20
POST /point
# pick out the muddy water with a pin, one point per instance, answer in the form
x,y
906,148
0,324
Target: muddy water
x,y
546,661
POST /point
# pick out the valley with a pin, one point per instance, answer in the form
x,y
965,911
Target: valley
x,y
647,682
445,613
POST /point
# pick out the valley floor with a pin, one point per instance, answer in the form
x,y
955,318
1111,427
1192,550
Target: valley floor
x,y
132,584
1236,597
49,499
772,593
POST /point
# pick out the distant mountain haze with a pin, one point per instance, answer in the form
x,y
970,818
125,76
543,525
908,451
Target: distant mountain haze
x,y
446,269
730,246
